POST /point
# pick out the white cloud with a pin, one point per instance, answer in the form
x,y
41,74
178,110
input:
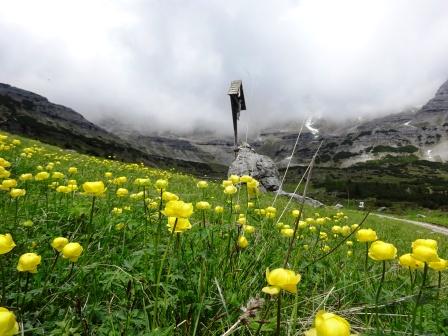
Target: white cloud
x,y
168,63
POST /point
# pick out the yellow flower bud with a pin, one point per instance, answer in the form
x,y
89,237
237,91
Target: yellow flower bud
x,y
295,213
245,179
380,250
6,243
202,205
122,192
25,177
366,235
59,243
178,209
230,190
287,232
161,184
57,175
8,323
14,193
440,265
407,260
94,188
281,278
249,229
178,224
329,324
242,242
28,262
234,178
219,209
202,184
72,251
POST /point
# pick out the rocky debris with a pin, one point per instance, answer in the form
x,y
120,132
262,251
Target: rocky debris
x,y
260,167
338,206
308,201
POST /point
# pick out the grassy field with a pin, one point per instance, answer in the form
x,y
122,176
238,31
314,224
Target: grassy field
x,y
135,277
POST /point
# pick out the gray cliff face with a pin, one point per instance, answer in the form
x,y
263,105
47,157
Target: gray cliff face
x,y
439,104
26,113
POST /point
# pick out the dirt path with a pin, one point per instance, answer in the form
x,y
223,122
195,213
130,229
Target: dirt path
x,y
429,226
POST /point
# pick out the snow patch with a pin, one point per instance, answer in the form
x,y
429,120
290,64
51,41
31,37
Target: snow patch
x,y
309,126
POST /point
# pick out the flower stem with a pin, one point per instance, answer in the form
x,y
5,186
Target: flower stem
x,y
378,292
366,262
279,306
419,296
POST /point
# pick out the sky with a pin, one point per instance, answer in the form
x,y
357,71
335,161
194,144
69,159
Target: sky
x,y
166,65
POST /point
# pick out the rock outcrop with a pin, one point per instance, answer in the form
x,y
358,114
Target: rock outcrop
x,y
260,167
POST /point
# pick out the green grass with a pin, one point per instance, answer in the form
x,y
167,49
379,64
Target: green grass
x,y
140,280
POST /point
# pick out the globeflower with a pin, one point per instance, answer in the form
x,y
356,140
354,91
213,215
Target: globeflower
x,y
8,184
295,213
425,250
234,178
287,232
6,243
122,192
4,173
57,176
245,179
202,184
120,180
407,260
14,193
161,184
366,235
26,177
440,265
94,188
72,170
28,262
242,242
230,190
249,229
178,209
219,209
181,224
381,251
142,182
281,278
167,196
202,205
329,324
72,251
4,163
42,176
59,243
227,183
8,323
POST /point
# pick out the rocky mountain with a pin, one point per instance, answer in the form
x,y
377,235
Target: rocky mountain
x,y
419,132
26,113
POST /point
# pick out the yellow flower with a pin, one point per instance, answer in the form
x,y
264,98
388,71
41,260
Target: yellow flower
x,y
26,177
329,324
6,243
202,184
281,278
167,196
287,232
42,176
8,323
4,163
142,182
59,243
227,183
320,221
336,229
245,179
250,204
219,209
431,243
107,174
407,260
349,253
28,262
94,188
57,175
8,184
72,170
249,229
440,265
178,209
234,178
120,180
326,248
380,250
295,213
349,243
242,220
72,251
242,242
182,224
63,189
302,224
424,253
117,211
4,173
161,184
366,235
14,193
202,205
230,190
122,192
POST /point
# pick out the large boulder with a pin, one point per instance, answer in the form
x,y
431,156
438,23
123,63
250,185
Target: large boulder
x,y
260,167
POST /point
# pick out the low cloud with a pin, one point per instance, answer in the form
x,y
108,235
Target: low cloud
x,y
166,65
